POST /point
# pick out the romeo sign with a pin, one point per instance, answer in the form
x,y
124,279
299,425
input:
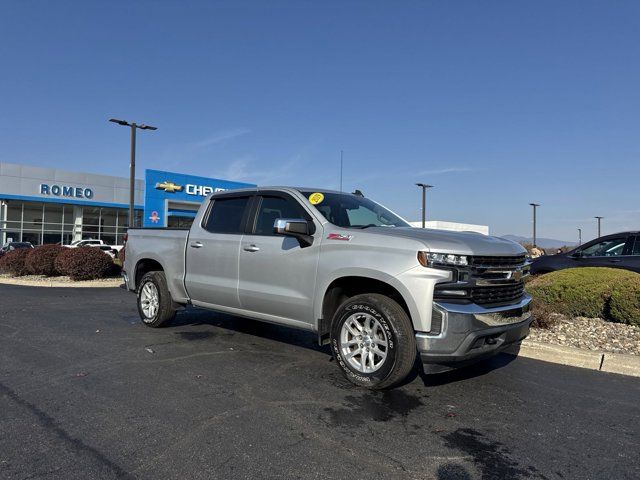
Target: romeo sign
x,y
65,191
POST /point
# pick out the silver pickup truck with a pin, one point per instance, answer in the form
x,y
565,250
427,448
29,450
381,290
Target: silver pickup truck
x,y
381,293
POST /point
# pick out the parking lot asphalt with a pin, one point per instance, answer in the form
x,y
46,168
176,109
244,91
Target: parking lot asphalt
x,y
87,391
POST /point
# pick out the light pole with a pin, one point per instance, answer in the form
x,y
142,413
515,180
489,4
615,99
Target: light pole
x,y
599,220
424,187
535,206
132,164
579,236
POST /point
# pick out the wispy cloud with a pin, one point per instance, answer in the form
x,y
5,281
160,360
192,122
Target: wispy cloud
x,y
220,136
244,169
440,171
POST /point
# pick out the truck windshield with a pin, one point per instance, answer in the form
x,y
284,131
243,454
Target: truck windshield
x,y
352,211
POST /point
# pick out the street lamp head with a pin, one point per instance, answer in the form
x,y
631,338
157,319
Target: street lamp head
x,y
146,127
534,204
424,185
599,218
119,122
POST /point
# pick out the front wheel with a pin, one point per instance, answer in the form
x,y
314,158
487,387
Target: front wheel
x,y
373,341
155,306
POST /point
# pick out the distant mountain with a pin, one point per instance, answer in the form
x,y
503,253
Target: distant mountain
x,y
542,242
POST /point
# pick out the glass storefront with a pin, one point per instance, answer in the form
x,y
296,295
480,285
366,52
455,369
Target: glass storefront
x,y
43,223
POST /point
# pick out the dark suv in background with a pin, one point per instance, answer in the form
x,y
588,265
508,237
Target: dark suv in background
x,y
620,250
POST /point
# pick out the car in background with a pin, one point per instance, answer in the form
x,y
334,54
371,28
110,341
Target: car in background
x,y
92,242
7,247
89,242
619,250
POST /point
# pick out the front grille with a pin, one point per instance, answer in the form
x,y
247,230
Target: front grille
x,y
496,294
480,261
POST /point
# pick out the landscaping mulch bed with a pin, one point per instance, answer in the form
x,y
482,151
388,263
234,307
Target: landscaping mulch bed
x,y
35,279
590,334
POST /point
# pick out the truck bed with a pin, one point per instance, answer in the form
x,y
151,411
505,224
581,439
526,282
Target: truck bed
x,y
166,246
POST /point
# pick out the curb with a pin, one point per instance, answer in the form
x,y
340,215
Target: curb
x,y
623,364
116,282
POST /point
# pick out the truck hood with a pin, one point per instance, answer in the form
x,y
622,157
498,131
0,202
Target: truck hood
x,y
461,243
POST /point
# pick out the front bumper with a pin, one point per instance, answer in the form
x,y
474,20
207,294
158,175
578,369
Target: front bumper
x,y
471,332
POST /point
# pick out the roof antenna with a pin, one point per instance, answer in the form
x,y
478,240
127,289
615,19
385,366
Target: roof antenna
x,y
358,193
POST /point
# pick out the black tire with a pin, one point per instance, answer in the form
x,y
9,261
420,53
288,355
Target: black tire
x,y
164,311
401,348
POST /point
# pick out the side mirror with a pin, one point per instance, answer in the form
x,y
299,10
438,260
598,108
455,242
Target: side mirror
x,y
294,227
577,254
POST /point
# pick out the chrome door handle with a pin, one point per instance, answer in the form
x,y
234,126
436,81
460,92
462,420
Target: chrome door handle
x,y
197,245
251,248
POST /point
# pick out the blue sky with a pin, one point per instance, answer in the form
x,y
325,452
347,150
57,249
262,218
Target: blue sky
x,y
497,104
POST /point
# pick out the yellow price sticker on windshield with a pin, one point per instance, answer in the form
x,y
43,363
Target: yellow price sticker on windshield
x,y
316,198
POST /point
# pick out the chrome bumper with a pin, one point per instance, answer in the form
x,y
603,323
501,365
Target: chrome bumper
x,y
471,331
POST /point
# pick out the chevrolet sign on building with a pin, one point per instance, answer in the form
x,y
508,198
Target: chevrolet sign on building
x,y
172,199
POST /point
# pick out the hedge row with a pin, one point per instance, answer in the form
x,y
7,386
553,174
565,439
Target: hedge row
x,y
84,263
608,293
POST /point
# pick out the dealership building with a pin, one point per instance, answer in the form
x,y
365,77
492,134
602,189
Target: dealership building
x,y
49,205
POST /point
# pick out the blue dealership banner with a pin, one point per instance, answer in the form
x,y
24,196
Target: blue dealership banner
x,y
169,193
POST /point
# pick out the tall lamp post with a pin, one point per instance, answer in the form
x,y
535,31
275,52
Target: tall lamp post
x,y
424,187
132,165
599,220
535,207
579,236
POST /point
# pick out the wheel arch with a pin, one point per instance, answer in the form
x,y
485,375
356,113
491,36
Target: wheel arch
x,y
350,285
144,266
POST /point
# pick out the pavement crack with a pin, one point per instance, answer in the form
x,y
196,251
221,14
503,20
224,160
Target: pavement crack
x,y
49,423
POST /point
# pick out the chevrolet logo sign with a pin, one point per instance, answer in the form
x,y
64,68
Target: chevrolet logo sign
x,y
169,187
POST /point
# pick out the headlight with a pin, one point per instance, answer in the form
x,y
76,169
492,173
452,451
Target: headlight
x,y
430,259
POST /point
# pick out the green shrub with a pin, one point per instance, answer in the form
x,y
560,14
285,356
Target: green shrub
x,y
13,262
612,294
84,263
624,305
41,260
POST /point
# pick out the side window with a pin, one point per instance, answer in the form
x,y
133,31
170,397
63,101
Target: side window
x,y
226,215
607,248
272,208
636,246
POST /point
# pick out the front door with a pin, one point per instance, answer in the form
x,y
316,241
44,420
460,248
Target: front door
x,y
608,252
277,275
212,252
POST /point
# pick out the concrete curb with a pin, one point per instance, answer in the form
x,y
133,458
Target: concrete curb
x,y
622,364
111,283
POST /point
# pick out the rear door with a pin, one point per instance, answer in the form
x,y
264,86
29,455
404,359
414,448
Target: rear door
x,y
212,251
277,275
631,261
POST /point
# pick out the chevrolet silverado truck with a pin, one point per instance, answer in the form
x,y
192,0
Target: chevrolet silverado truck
x,y
382,294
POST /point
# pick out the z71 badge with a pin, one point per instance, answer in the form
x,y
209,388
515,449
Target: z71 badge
x,y
339,236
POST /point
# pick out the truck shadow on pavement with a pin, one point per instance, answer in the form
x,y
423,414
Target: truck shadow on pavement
x,y
194,317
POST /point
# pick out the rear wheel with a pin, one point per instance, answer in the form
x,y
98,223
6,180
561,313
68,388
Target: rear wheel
x,y
373,341
155,306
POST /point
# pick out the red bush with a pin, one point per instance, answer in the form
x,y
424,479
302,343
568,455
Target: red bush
x,y
84,263
13,262
41,260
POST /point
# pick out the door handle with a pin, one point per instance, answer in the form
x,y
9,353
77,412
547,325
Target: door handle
x,y
251,248
615,260
196,245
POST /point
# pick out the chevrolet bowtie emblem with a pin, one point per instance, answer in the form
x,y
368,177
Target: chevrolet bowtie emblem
x,y
169,187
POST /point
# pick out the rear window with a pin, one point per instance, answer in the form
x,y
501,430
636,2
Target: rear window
x,y
226,215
